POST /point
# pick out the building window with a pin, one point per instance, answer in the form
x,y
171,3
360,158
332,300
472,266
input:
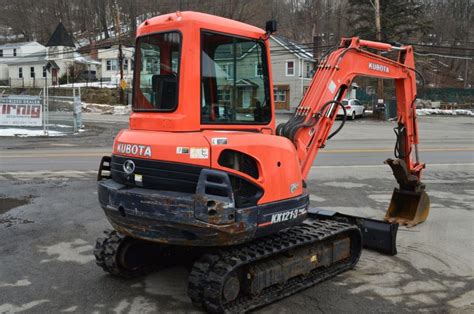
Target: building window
x,y
308,70
229,70
125,64
14,52
32,72
20,72
44,71
112,65
258,69
279,95
223,95
1,53
290,68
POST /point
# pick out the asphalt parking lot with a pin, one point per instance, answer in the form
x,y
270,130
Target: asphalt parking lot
x,y
50,218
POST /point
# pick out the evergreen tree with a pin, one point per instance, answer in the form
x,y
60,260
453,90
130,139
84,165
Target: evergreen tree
x,y
402,20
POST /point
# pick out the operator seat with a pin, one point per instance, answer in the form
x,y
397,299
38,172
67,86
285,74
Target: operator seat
x,y
165,91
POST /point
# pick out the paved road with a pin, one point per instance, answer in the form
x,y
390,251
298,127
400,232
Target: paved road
x,y
47,264
46,241
88,159
363,142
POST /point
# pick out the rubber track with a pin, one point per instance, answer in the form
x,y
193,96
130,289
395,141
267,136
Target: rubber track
x,y
209,273
105,253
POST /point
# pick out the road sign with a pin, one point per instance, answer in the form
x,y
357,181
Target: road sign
x,y
123,84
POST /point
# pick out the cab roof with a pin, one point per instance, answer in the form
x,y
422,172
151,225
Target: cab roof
x,y
179,19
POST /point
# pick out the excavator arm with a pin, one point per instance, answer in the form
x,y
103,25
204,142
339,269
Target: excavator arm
x,y
310,127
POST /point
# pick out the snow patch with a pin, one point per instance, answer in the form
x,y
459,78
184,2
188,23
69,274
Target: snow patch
x,y
78,251
19,283
138,305
449,112
106,109
28,132
91,84
70,309
12,308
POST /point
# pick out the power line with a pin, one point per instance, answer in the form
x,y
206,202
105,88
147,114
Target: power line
x,y
443,56
441,47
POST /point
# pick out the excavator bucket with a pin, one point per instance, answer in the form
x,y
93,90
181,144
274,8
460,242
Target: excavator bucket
x,y
408,208
410,205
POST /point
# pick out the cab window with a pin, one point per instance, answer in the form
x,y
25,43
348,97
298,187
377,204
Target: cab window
x,y
232,90
156,72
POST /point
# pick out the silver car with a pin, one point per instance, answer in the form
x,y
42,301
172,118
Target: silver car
x,y
354,108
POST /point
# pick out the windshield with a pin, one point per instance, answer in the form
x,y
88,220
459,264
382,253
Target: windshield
x,y
234,78
156,72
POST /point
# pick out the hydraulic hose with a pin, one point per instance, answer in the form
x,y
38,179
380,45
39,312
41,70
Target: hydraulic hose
x,y
344,117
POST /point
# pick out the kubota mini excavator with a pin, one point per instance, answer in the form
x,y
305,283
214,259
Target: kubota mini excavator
x,y
203,166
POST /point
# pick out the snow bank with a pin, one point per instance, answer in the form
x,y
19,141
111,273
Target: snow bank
x,y
28,132
106,109
449,112
91,84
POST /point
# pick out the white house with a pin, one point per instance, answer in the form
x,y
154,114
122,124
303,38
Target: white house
x,y
31,71
109,68
12,51
292,71
48,64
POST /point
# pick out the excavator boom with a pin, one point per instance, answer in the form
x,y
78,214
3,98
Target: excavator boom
x,y
310,126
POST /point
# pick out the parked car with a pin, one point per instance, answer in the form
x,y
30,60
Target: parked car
x,y
354,108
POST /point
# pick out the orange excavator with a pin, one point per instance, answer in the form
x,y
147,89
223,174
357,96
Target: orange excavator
x,y
202,166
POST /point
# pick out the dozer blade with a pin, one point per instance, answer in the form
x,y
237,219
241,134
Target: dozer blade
x,y
408,208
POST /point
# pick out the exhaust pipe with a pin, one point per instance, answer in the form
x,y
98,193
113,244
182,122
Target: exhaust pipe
x,y
410,205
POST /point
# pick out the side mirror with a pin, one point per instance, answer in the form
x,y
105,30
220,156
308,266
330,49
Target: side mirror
x,y
271,26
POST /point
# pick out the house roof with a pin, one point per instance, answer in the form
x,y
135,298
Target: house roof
x,y
17,45
42,58
245,83
298,49
54,65
61,37
31,58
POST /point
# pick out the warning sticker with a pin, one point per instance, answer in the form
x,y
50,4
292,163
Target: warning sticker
x,y
332,86
182,150
199,153
219,141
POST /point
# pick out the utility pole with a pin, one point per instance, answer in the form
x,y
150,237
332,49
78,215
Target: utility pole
x,y
317,43
466,84
378,34
378,25
118,28
120,57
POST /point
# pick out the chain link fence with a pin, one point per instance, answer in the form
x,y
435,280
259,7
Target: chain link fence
x,y
22,114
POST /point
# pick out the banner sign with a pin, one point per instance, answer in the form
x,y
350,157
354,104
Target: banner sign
x,y
21,111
